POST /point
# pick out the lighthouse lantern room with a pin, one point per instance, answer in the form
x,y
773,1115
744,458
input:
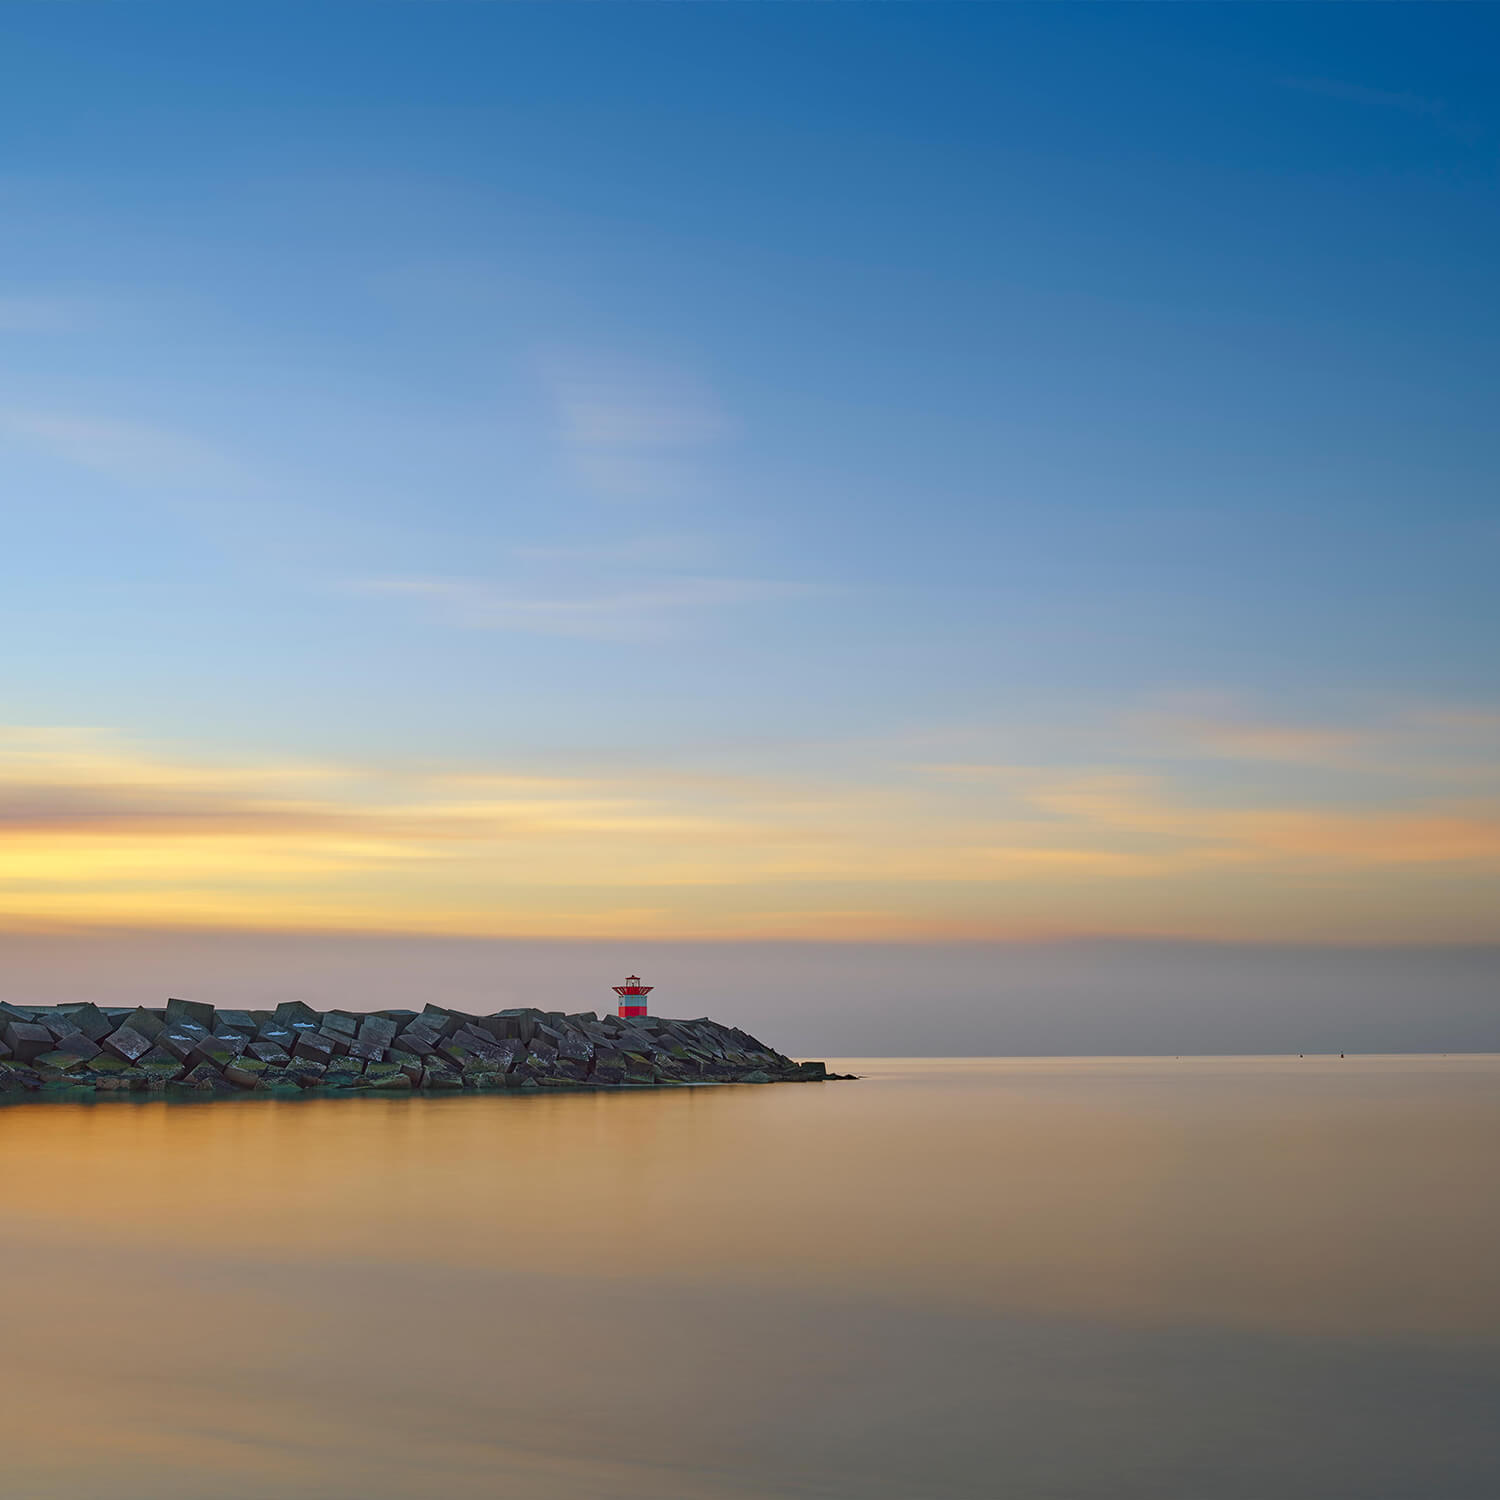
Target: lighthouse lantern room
x,y
633,996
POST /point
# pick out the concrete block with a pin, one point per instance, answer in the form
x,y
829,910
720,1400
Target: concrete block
x,y
415,1042
245,1072
27,1040
144,1021
609,1067
282,1036
290,1011
338,1040
340,1023
378,1030
212,1052
269,1052
58,1062
367,1051
235,1041
396,1081
79,1045
309,1074
576,1047
127,1044
441,1078
191,1010
161,1064
90,1020
237,1020
313,1048
179,1043
408,1064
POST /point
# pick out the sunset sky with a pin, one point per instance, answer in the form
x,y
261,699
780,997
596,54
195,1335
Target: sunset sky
x,y
697,473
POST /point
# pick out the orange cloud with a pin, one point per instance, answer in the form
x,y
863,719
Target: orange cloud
x,y
95,829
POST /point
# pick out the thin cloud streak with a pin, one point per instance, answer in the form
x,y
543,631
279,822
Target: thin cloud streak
x,y
96,829
647,610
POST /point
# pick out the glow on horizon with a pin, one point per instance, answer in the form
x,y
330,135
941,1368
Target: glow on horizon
x,y
102,831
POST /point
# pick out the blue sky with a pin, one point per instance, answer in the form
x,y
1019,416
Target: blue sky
x,y
725,409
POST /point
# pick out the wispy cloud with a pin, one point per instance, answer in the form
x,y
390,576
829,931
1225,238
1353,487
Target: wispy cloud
x,y
628,427
97,828
645,609
132,452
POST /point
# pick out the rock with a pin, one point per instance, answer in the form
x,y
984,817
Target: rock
x,y
758,1075
416,1042
340,1023
609,1067
236,1020
27,1040
190,1010
407,1064
245,1071
576,1047
269,1052
308,1074
313,1047
367,1051
79,1045
213,1052
293,1013
127,1043
441,1078
378,1031
58,1062
337,1040
89,1020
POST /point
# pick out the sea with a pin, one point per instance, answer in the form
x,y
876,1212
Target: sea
x,y
1214,1278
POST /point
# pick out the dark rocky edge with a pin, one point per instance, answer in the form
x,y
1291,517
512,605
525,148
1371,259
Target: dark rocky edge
x,y
187,1049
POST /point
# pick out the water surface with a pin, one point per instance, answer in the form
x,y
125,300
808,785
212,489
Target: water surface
x,y
1047,1277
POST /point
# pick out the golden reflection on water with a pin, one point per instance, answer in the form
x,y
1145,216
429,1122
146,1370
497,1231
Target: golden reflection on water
x,y
397,1297
1320,1194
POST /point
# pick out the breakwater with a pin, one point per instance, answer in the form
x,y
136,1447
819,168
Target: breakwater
x,y
191,1049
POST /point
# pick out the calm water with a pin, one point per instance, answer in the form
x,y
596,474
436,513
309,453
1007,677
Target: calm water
x,y
1054,1278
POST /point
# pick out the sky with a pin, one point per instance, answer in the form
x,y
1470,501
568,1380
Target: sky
x,y
861,477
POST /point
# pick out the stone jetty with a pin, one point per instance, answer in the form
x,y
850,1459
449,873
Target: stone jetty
x,y
191,1050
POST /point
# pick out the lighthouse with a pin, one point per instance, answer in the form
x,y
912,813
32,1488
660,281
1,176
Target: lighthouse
x,y
633,996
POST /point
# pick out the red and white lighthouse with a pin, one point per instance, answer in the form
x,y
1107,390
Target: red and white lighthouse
x,y
633,996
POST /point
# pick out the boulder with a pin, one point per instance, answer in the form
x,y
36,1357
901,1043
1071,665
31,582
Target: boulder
x,y
27,1040
379,1031
214,1053
127,1043
146,1022
161,1064
79,1045
58,1062
90,1020
246,1072
191,1010
312,1047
